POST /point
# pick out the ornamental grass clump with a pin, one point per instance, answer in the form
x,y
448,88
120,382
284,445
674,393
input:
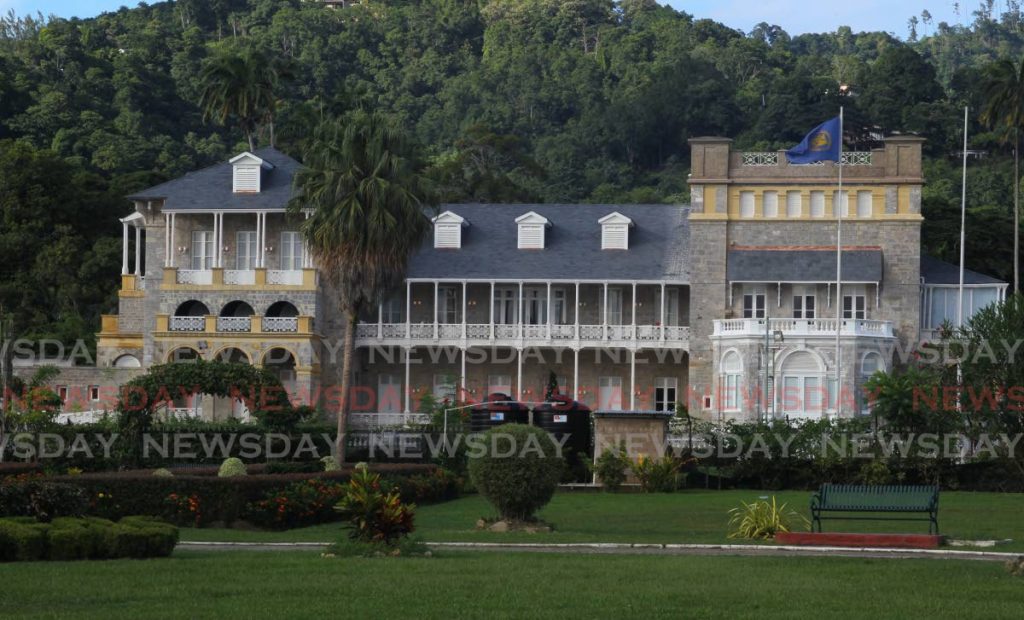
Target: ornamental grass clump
x,y
517,470
762,520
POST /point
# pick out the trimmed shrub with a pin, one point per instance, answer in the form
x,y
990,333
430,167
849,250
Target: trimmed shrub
x,y
231,467
518,471
114,495
307,502
611,467
656,475
163,473
85,538
330,464
42,500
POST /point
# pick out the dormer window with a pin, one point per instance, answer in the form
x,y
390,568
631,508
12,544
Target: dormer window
x,y
448,230
247,173
615,231
531,230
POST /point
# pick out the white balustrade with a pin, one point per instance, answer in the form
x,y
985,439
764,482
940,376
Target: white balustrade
x,y
504,331
80,417
367,330
187,323
449,330
857,158
421,330
185,412
194,276
766,158
563,332
620,332
591,332
648,332
677,333
280,324
803,327
393,330
241,277
287,277
234,324
478,331
363,420
535,331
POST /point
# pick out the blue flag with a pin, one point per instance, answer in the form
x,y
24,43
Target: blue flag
x,y
821,144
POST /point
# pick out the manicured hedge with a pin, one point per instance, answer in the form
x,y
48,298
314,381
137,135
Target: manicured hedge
x,y
22,539
226,500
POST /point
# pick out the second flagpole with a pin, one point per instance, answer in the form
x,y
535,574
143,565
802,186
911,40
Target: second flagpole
x,y
838,205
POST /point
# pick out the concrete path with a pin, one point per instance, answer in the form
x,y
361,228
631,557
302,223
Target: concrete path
x,y
643,549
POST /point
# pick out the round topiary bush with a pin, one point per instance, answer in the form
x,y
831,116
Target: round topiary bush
x,y
517,468
330,464
231,467
163,473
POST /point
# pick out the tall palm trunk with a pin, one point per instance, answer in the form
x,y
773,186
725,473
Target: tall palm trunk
x,y
1016,210
346,382
252,144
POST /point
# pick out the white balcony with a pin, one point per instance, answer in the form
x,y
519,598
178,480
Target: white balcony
x,y
194,276
243,277
187,323
288,277
368,421
803,327
234,324
502,334
280,324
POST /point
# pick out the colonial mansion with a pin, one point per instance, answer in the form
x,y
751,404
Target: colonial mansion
x,y
728,304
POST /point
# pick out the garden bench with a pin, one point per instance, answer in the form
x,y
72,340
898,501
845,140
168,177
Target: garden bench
x,y
886,501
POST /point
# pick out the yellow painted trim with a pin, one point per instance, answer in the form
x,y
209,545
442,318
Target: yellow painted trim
x,y
119,342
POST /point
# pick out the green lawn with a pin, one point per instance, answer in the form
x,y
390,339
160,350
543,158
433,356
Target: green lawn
x,y
457,584
690,516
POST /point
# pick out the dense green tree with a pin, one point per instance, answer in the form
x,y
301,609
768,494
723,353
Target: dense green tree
x,y
1004,110
241,84
368,204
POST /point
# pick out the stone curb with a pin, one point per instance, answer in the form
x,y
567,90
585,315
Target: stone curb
x,y
660,548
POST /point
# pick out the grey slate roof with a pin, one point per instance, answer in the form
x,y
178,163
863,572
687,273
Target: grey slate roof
x,y
658,245
935,271
803,265
210,188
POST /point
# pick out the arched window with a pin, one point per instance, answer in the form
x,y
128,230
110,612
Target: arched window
x,y
871,363
233,355
803,390
732,370
236,309
281,362
127,361
192,308
183,354
282,309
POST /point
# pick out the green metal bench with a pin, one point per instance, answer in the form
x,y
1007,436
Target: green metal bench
x,y
885,501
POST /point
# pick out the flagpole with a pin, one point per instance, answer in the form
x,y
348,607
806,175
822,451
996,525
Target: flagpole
x,y
963,228
839,269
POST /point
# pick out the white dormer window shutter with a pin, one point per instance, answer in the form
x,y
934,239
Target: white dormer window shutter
x,y
447,235
531,236
448,230
615,231
247,179
615,237
531,230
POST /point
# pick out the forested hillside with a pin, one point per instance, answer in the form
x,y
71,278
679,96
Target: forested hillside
x,y
512,100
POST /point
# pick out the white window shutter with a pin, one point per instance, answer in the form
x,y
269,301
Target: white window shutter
x,y
246,178
614,237
531,236
447,235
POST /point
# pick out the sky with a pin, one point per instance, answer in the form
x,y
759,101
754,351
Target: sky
x,y
795,16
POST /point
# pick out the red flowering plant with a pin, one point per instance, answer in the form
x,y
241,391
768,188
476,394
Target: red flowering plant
x,y
185,509
374,515
306,502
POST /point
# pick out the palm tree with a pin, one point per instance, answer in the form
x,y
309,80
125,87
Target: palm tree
x,y
367,204
240,83
1004,109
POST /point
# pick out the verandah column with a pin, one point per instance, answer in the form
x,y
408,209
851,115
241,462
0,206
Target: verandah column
x,y
124,248
138,248
408,375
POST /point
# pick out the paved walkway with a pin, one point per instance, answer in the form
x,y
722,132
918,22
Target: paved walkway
x,y
643,549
